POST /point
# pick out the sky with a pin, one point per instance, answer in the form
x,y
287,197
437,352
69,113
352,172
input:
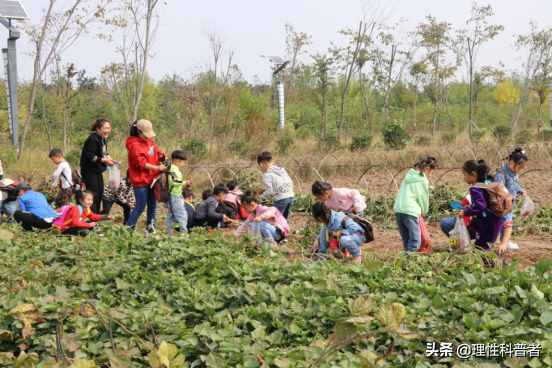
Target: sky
x,y
251,28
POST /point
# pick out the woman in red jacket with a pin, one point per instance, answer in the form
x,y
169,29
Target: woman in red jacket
x,y
144,165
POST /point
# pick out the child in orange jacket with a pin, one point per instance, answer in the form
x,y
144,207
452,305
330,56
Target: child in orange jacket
x,y
79,219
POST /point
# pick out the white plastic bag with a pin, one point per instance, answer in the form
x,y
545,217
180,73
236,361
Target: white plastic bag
x,y
528,206
114,173
460,236
249,227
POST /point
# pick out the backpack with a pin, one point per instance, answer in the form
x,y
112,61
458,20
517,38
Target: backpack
x,y
364,224
161,187
500,201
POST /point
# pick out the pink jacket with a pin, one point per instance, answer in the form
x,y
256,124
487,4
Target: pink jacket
x,y
234,198
344,200
272,216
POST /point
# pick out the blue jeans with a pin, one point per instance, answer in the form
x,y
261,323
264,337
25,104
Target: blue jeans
x,y
176,214
268,231
351,243
8,208
409,227
447,225
284,206
144,196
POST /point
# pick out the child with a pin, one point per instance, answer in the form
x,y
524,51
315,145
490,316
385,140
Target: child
x,y
79,219
206,212
61,178
484,226
508,176
176,209
339,199
278,185
8,199
123,196
338,225
34,210
268,221
412,201
189,205
232,200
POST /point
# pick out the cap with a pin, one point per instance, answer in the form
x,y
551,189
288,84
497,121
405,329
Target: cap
x,y
23,186
146,128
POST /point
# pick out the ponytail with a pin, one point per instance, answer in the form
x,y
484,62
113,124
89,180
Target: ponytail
x,y
479,168
518,156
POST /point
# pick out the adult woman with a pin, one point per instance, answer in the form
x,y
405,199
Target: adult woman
x,y
144,165
95,159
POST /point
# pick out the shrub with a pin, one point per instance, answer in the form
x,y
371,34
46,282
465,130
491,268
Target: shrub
x,y
329,141
448,138
523,137
547,134
361,142
422,140
197,148
502,133
394,136
477,135
285,142
239,147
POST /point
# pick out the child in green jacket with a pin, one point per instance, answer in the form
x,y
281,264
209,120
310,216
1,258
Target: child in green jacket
x,y
412,202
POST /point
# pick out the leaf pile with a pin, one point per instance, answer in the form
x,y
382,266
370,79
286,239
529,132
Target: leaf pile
x,y
119,300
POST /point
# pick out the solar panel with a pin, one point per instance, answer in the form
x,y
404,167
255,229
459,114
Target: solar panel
x,y
12,9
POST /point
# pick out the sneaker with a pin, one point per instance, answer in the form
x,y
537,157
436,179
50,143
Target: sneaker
x,y
150,229
512,246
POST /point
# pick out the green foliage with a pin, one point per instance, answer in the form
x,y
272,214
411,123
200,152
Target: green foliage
x,y
477,135
523,137
395,136
239,146
546,134
197,148
422,140
502,133
361,142
448,137
285,142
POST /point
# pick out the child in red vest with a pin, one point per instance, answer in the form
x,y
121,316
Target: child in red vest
x,y
79,219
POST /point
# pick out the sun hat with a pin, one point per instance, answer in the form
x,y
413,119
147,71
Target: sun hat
x,y
146,128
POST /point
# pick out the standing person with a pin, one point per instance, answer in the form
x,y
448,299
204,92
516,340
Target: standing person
x,y
123,196
484,226
412,201
34,210
144,165
339,199
62,179
95,159
508,176
278,185
176,209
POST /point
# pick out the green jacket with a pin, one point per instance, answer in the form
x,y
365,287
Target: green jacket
x,y
413,197
176,181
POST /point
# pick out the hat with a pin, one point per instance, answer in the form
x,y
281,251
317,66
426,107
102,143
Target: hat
x,y
146,128
23,186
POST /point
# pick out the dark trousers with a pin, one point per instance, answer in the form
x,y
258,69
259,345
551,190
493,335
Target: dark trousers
x,y
106,208
95,184
29,221
284,206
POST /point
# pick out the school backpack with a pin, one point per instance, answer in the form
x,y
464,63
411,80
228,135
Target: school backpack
x,y
364,224
161,187
500,201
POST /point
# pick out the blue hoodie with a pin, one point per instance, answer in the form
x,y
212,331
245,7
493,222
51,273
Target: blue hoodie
x,y
36,204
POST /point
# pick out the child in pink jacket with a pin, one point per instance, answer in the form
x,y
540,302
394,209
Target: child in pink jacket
x,y
339,199
268,221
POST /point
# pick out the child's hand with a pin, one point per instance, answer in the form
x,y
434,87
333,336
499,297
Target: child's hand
x,y
501,248
93,224
258,219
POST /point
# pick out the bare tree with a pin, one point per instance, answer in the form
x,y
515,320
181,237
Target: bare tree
x,y
58,30
468,42
296,44
323,68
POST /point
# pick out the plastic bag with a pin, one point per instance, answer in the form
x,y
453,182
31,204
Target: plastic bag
x,y
528,207
249,227
114,173
460,236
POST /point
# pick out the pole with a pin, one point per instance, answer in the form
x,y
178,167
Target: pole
x,y
550,103
12,84
281,104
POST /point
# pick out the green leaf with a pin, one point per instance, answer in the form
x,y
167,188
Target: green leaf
x,y
83,363
546,317
122,284
543,266
6,235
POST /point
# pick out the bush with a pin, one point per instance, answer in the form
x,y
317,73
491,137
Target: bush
x,y
329,141
523,137
422,140
239,147
285,142
197,148
477,135
547,134
502,133
394,136
361,142
448,138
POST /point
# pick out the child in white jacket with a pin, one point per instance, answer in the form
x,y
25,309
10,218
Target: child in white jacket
x,y
278,185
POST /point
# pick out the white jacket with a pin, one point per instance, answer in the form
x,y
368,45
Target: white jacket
x,y
278,184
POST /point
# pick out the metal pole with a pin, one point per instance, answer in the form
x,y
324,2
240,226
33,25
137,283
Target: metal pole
x,y
550,102
281,104
12,84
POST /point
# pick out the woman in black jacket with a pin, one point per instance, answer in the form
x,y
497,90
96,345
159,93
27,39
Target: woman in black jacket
x,y
95,159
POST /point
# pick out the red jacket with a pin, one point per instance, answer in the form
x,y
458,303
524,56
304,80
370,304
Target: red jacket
x,y
72,218
142,151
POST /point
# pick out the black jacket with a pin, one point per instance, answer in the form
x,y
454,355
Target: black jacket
x,y
207,210
94,149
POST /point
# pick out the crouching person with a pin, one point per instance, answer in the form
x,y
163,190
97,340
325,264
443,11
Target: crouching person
x,y
337,225
79,219
34,211
268,221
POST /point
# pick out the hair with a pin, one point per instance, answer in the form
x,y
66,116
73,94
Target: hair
x,y
479,168
427,162
518,156
55,152
98,124
206,194
232,184
219,189
79,195
264,157
320,187
179,155
249,197
320,212
134,131
187,193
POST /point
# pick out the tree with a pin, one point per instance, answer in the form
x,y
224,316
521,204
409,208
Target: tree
x,y
296,44
434,37
323,67
468,43
58,30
